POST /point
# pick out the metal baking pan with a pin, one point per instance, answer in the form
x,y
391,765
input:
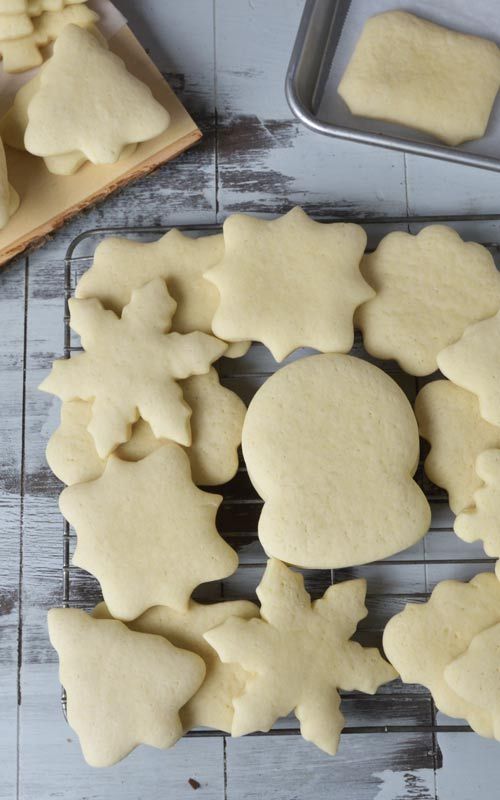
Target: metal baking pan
x,y
325,40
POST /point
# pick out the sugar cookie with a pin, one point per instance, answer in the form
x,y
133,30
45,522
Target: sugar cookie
x,y
216,423
429,288
24,53
123,688
147,533
290,282
121,265
448,418
211,706
80,80
474,364
330,443
424,638
475,675
412,72
9,198
130,367
483,521
14,26
299,655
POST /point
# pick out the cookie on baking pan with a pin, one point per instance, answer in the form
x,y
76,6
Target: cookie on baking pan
x,y
483,520
147,532
24,53
299,655
9,198
411,72
448,418
474,364
475,675
216,423
331,444
88,101
121,265
211,706
424,638
122,688
290,282
131,366
13,125
429,287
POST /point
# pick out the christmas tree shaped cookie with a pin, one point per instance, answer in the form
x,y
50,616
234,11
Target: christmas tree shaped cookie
x,y
123,688
130,367
299,655
89,102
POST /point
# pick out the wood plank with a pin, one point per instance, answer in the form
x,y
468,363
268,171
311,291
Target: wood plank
x,y
12,289
366,767
267,160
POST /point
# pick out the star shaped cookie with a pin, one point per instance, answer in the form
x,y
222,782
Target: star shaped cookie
x,y
290,282
130,367
123,688
147,532
299,655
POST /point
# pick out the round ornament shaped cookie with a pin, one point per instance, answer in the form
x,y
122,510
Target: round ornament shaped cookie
x,y
331,444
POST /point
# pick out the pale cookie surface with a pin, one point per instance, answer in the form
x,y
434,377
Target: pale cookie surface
x,y
412,72
211,706
331,444
24,53
35,7
123,688
122,265
147,532
475,675
289,283
216,423
474,364
483,521
299,655
448,418
81,79
130,367
14,26
423,639
9,198
429,287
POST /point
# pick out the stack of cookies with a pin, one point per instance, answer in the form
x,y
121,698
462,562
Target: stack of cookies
x,y
330,443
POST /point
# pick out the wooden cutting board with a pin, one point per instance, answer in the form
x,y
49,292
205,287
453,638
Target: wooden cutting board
x,y
48,201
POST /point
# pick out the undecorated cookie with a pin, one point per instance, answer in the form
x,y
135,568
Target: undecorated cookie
x,y
475,675
290,282
147,532
81,79
130,367
423,639
24,53
448,418
14,26
474,364
331,444
9,198
211,706
483,521
123,688
216,423
299,655
412,72
429,287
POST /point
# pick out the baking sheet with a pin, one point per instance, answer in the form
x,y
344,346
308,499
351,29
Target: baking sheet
x,y
481,18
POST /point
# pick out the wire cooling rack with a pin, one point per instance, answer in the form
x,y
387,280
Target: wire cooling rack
x,y
409,576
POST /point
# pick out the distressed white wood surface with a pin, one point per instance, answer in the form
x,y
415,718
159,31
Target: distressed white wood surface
x,y
227,59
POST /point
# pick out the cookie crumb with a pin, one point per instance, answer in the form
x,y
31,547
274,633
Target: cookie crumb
x,y
194,784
